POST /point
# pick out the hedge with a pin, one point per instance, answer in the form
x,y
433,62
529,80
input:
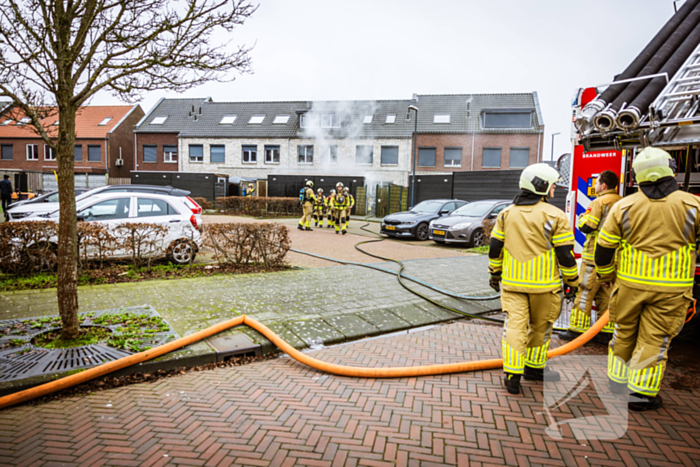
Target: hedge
x,y
264,243
258,206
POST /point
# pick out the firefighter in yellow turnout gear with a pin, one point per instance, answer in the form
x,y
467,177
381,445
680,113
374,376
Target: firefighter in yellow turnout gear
x,y
339,205
351,204
308,199
591,290
320,205
329,210
530,244
654,234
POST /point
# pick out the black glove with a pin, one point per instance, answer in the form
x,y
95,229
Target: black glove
x,y
570,292
495,282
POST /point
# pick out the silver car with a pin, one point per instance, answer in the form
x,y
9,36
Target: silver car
x,y
464,225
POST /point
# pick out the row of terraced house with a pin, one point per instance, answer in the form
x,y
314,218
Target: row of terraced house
x,y
252,140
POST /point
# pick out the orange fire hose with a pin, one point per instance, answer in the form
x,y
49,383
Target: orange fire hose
x,y
341,370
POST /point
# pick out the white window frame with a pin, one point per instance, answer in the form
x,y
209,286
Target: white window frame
x,y
441,118
305,155
368,119
390,119
281,120
256,119
452,162
252,155
228,119
35,148
189,154
48,151
105,121
23,121
158,120
268,152
168,156
357,151
330,121
330,155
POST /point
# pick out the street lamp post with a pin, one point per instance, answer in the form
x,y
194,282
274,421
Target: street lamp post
x,y
415,150
553,135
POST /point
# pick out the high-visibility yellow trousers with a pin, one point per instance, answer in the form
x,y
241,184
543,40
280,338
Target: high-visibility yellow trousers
x,y
528,328
318,215
341,222
645,324
590,290
306,218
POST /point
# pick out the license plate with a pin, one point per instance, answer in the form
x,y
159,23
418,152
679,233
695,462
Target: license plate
x,y
438,232
390,227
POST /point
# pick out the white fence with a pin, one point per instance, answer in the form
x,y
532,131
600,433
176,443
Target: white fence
x,y
81,181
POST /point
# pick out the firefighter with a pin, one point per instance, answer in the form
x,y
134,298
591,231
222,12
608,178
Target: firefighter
x,y
319,207
531,242
329,209
351,204
250,190
654,233
591,290
307,200
339,204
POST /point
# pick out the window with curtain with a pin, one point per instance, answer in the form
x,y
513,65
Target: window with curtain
x,y
196,153
250,154
453,157
169,153
306,154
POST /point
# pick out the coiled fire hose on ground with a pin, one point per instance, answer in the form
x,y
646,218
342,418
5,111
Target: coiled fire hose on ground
x,y
340,370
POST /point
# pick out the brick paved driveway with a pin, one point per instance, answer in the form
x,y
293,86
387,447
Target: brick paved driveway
x,y
281,413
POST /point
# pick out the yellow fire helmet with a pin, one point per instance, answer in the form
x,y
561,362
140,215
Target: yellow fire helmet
x,y
339,185
320,190
539,178
652,164
310,184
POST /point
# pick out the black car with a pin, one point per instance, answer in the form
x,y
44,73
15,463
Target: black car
x,y
414,223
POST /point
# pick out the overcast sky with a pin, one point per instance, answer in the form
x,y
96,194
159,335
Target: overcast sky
x,y
385,49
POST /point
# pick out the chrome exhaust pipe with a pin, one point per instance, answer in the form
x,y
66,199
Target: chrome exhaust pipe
x,y
628,119
584,121
605,121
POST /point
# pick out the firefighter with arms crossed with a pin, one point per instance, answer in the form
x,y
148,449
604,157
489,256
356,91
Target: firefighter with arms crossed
x,y
531,242
307,203
590,223
654,234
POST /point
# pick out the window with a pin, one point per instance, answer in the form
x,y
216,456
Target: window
x,y
333,154
508,119
94,153
498,209
158,120
280,120
32,152
453,157
309,120
107,210
491,157
368,119
256,120
55,123
154,207
449,207
49,153
390,155
78,153
150,153
24,121
519,157
390,118
196,153
363,154
6,150
306,154
250,154
228,120
170,154
426,157
441,118
217,153
6,122
105,122
272,154
330,121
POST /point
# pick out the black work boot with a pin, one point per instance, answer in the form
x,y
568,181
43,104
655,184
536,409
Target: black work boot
x,y
641,403
344,232
337,232
603,338
309,229
539,374
512,383
569,335
300,227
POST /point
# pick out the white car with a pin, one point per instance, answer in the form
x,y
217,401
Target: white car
x,y
183,240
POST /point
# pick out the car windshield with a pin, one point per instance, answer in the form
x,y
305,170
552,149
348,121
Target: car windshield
x,y
473,210
428,206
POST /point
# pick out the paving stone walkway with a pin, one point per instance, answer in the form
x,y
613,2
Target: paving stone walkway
x,y
281,413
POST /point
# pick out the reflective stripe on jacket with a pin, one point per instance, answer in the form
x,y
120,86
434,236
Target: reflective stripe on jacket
x,y
594,218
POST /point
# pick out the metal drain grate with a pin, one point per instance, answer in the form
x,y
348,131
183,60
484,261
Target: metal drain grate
x,y
20,362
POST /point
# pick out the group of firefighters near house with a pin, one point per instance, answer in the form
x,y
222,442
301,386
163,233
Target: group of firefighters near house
x,y
638,261
335,208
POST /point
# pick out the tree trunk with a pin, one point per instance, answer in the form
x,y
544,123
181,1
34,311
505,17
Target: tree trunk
x,y
67,235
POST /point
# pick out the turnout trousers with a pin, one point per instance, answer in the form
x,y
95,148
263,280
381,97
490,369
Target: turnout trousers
x,y
318,215
590,291
645,324
306,218
528,328
341,222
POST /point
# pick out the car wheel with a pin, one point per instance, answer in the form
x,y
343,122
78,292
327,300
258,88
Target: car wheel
x,y
181,252
478,238
422,232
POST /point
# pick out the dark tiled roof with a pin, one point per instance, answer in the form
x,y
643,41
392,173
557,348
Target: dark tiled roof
x,y
464,110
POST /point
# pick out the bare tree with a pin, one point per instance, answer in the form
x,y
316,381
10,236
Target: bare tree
x,y
57,54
